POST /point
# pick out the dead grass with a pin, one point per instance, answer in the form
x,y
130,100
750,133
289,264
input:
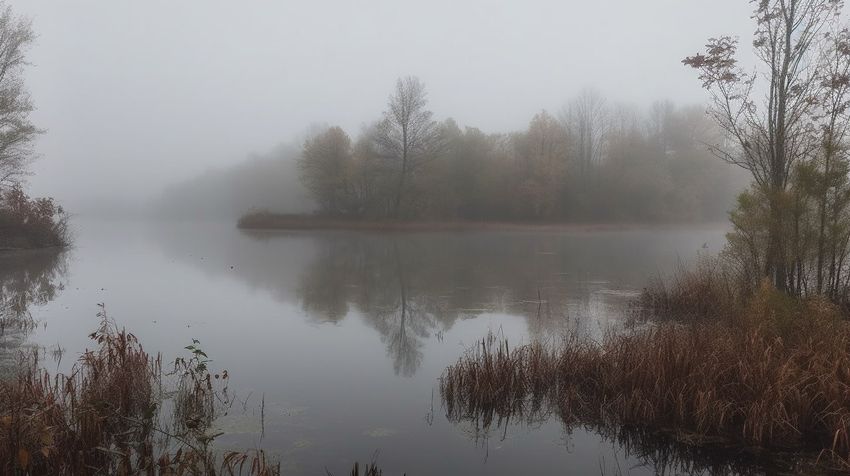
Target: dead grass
x,y
105,417
775,375
708,290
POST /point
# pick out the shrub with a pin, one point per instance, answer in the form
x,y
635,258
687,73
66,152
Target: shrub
x,y
31,222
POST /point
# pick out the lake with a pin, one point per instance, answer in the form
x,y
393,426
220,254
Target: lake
x,y
341,337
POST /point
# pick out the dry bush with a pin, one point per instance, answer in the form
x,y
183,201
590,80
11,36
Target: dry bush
x,y
773,376
31,222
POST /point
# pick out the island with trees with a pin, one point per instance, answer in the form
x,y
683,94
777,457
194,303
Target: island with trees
x,y
592,164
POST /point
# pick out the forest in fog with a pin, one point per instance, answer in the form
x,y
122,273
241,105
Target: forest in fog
x,y
261,181
464,227
591,162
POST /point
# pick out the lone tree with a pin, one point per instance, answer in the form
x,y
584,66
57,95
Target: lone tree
x,y
407,134
767,114
16,131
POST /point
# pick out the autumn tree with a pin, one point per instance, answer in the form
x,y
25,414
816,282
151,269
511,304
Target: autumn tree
x,y
542,152
325,168
407,135
409,166
767,114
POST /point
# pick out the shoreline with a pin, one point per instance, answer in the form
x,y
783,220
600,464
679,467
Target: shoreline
x,y
283,222
7,250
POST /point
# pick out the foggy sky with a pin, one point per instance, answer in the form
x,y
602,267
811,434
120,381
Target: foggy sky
x,y
139,94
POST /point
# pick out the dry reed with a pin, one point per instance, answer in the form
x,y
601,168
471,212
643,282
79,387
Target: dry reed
x,y
775,375
104,417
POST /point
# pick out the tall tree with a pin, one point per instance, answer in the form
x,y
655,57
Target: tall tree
x,y
831,163
16,131
586,118
407,134
542,152
767,114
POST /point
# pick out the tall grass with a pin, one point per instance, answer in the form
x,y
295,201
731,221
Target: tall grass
x,y
774,374
105,416
711,289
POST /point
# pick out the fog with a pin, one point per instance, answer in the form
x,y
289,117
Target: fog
x,y
136,96
410,229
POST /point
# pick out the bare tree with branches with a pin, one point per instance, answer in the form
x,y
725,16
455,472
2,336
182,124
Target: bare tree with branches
x,y
586,117
407,134
767,114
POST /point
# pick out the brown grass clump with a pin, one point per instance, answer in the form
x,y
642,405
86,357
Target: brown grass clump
x,y
709,290
776,376
105,416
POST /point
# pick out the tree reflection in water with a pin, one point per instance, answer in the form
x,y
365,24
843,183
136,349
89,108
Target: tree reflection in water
x,y
27,280
373,278
409,288
414,287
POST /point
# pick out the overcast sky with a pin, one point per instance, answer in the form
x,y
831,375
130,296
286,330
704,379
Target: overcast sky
x,y
138,94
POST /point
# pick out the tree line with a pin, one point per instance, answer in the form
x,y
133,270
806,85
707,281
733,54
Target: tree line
x,y
593,162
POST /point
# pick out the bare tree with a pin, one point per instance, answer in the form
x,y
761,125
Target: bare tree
x,y
586,118
407,134
16,131
769,124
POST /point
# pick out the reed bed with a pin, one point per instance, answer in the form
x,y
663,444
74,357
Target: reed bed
x,y
776,375
105,416
710,289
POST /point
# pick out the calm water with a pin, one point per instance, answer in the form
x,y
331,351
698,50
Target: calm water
x,y
345,335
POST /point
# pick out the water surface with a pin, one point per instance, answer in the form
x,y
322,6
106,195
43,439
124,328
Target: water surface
x,y
344,335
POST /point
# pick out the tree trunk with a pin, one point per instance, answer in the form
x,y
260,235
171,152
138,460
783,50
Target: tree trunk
x,y
402,176
774,260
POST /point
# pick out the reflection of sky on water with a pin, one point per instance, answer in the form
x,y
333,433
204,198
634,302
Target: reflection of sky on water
x,y
344,335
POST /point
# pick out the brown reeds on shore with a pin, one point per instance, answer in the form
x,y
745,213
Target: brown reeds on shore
x,y
775,375
707,290
105,416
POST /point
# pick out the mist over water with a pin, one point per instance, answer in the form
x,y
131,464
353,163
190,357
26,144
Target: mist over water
x,y
344,335
340,202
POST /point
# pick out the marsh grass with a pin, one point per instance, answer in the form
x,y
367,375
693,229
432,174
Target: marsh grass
x,y
106,416
773,374
710,289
